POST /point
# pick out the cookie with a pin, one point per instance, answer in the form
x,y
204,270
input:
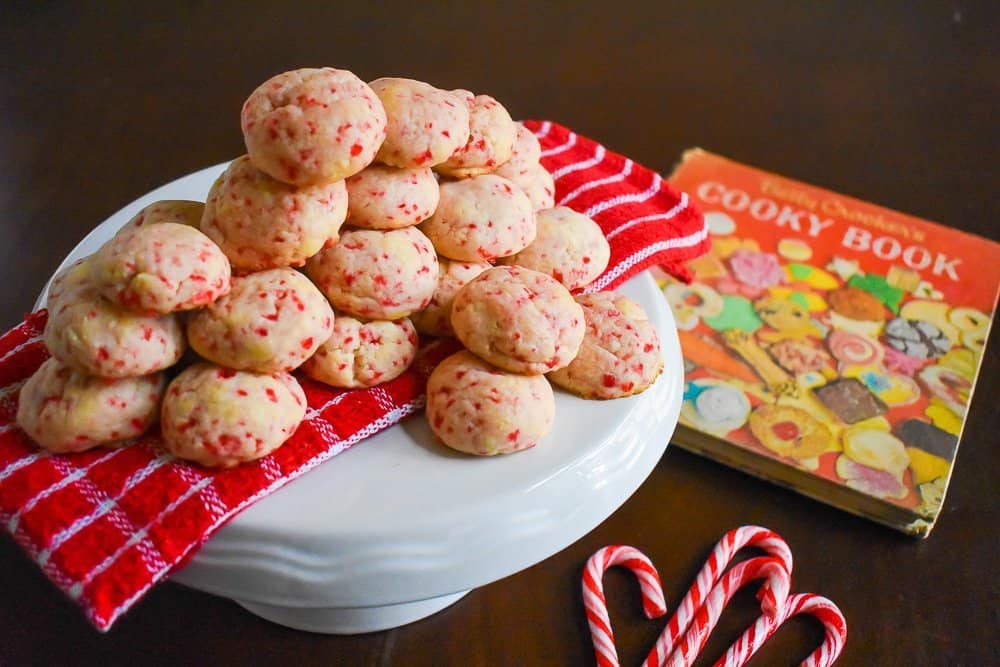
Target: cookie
x,y
377,275
935,312
930,449
879,288
856,304
849,400
480,219
850,349
92,335
870,481
790,431
902,279
220,417
787,317
492,134
68,282
426,125
916,338
313,125
520,320
692,303
363,354
968,319
755,269
271,321
161,268
620,354
381,197
795,250
798,357
435,318
714,407
524,170
948,386
178,211
476,408
876,449
65,411
568,246
538,186
261,223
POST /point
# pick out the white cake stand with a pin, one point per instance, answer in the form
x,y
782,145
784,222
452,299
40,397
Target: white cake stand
x,y
399,527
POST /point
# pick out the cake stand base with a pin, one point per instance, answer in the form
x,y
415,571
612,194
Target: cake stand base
x,y
351,620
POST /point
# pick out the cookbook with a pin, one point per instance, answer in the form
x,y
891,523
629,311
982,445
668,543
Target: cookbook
x,y
831,345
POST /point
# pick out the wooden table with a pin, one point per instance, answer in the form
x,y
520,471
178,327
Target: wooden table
x,y
894,104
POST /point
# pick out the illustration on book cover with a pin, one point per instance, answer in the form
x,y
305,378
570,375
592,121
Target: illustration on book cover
x,y
830,334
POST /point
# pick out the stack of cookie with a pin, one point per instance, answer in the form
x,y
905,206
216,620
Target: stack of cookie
x,y
361,215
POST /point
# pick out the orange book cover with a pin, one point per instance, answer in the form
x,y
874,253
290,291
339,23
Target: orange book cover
x,y
831,345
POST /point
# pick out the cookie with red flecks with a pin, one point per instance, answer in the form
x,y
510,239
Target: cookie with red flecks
x,y
180,211
479,219
620,354
476,408
270,321
313,125
569,246
382,197
92,335
492,134
426,125
435,318
261,223
161,268
66,411
377,275
517,319
220,417
363,354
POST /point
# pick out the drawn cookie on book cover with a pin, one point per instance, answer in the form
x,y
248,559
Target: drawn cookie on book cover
x,y
714,407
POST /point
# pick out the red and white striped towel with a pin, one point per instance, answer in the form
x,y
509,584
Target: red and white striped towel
x,y
106,525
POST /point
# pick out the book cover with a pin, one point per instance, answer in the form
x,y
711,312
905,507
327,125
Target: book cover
x,y
831,345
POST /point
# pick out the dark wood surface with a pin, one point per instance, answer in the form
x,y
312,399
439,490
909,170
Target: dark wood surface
x,y
895,104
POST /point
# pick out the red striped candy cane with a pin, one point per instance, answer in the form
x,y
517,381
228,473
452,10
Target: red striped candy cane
x,y
804,603
772,596
720,558
596,605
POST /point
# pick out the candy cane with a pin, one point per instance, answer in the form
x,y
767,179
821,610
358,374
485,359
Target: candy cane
x,y
596,605
804,603
772,596
720,558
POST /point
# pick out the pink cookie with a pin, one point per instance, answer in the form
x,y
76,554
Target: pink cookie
x,y
180,211
520,320
425,124
480,219
377,275
620,355
220,417
479,409
492,134
66,283
569,246
527,153
65,411
92,335
383,197
363,354
435,319
534,181
261,223
312,126
271,321
161,268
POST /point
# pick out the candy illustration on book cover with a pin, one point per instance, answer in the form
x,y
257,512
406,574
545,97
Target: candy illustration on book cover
x,y
830,334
